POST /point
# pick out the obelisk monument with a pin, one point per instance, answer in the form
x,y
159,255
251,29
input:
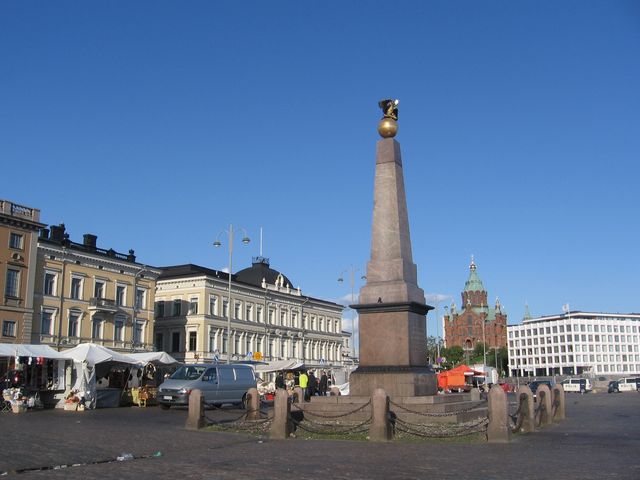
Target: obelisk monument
x,y
392,308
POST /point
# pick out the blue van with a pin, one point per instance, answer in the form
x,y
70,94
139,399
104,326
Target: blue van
x,y
219,384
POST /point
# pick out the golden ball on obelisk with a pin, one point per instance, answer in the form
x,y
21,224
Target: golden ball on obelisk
x,y
388,127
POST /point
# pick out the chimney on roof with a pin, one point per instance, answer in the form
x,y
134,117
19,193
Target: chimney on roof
x,y
44,233
90,241
57,233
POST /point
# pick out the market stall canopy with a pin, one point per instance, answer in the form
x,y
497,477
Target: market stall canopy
x,y
25,350
155,357
93,354
278,365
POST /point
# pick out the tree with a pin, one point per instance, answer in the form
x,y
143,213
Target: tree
x,y
453,356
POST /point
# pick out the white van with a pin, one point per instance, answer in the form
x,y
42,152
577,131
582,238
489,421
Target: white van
x,y
629,384
581,385
219,384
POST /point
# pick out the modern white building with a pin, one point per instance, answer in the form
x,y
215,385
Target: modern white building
x,y
575,343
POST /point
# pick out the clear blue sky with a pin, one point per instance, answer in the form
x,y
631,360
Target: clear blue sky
x,y
156,124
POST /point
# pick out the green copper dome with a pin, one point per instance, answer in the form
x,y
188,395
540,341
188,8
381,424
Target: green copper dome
x,y
473,283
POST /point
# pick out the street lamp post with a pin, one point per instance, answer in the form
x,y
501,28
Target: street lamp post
x,y
352,271
217,244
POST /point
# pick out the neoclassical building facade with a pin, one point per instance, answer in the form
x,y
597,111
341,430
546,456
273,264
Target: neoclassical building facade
x,y
476,322
84,293
270,319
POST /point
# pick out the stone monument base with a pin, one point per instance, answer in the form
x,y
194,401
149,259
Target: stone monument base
x,y
396,381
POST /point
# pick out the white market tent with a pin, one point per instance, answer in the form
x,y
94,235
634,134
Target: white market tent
x,y
154,357
25,350
89,357
93,354
278,365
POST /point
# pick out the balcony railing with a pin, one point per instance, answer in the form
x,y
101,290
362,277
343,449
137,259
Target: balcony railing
x,y
97,304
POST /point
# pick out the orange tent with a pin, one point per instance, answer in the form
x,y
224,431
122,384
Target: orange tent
x,y
456,377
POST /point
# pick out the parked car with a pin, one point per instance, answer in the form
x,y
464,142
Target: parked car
x,y
629,384
613,387
582,385
219,384
536,383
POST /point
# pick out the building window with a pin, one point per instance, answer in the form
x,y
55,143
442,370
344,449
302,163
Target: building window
x,y
46,322
76,288
98,290
96,329
177,310
138,333
49,287
141,298
248,314
74,323
8,328
175,342
121,295
160,309
193,341
213,305
193,306
271,315
237,308
118,329
225,341
159,342
225,308
16,241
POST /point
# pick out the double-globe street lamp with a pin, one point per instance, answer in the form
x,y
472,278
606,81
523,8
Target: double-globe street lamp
x,y
352,271
217,243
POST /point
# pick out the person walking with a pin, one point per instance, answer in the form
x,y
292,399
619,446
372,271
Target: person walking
x,y
303,382
313,385
322,385
280,381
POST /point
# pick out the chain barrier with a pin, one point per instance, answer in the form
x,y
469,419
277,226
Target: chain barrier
x,y
241,423
446,414
442,430
554,407
307,412
517,419
320,428
538,413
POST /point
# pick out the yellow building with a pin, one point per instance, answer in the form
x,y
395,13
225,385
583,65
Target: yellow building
x,y
19,227
88,294
269,319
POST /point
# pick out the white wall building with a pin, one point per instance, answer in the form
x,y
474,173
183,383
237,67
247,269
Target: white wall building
x,y
574,343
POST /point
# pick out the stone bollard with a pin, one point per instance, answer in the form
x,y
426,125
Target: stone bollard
x,y
298,396
195,419
475,394
498,430
281,426
558,399
527,410
543,395
335,392
253,404
380,430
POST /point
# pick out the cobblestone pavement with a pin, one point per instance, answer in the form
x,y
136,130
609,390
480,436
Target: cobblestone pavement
x,y
599,440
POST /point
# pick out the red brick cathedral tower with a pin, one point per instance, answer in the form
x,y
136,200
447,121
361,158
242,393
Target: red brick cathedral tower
x,y
476,322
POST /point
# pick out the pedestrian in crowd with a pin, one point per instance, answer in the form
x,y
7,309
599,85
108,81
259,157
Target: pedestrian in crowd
x,y
322,385
280,380
303,382
313,385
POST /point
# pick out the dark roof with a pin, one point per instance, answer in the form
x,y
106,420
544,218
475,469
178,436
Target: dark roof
x,y
190,270
258,271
